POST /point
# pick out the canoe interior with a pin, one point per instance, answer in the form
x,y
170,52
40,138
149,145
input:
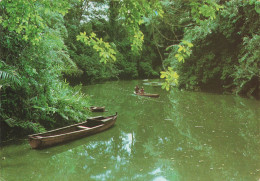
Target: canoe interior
x,y
65,134
90,123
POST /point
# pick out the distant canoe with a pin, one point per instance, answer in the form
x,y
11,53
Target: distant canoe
x,y
147,95
65,134
97,109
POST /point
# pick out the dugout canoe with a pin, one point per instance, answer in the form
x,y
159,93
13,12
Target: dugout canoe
x,y
97,109
65,134
147,95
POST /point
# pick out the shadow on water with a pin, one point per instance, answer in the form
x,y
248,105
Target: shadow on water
x,y
179,136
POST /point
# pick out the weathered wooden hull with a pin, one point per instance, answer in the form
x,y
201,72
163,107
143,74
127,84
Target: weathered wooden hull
x,y
72,132
147,95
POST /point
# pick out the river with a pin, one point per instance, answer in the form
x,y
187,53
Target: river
x,y
180,136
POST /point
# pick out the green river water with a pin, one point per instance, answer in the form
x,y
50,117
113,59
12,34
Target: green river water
x,y
180,136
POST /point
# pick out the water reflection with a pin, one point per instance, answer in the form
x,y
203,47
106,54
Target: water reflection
x,y
128,142
215,131
179,136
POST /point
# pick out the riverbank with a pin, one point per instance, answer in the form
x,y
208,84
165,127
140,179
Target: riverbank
x,y
209,136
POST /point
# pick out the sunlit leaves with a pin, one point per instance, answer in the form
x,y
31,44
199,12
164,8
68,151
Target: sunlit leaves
x,y
133,13
24,17
204,10
137,41
171,78
184,50
221,56
105,51
257,5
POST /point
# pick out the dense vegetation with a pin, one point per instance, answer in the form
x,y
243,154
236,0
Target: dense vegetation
x,y
225,53
207,45
33,58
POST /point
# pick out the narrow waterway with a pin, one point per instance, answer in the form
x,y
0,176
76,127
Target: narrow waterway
x,y
181,135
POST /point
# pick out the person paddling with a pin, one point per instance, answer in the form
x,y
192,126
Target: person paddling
x,y
142,90
136,89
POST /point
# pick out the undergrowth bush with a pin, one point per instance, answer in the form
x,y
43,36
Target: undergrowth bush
x,y
34,96
225,55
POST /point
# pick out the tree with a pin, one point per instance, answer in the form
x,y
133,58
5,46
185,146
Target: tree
x,y
33,59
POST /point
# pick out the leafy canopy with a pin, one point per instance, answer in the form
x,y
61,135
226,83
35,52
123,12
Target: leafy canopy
x,y
106,53
24,18
201,12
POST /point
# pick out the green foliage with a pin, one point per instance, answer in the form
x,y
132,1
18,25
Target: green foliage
x,y
8,76
137,41
106,53
134,12
93,69
34,96
256,3
248,69
225,51
23,18
206,9
184,50
148,70
203,44
171,77
123,35
202,13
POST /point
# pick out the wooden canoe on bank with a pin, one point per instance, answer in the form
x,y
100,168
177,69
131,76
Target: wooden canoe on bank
x,y
57,136
147,95
97,109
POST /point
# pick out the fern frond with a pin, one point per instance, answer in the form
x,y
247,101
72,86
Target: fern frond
x,y
9,76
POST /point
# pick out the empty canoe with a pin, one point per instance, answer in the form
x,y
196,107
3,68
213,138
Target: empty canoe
x,y
61,135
